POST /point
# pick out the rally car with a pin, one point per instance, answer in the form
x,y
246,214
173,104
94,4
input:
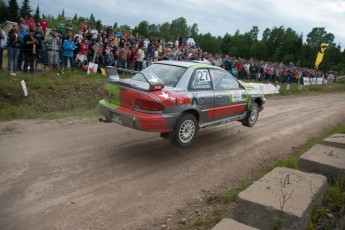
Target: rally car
x,y
176,98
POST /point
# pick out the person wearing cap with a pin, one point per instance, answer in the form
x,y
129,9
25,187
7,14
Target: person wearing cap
x,y
39,36
53,48
168,47
29,51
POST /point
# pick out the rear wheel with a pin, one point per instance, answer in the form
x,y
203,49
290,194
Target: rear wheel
x,y
185,130
252,116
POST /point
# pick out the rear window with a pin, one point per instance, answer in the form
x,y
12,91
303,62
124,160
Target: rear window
x,y
169,74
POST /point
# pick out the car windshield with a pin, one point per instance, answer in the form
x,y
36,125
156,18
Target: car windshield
x,y
169,74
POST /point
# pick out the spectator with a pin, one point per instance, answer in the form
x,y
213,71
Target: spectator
x,y
109,55
23,21
54,44
76,45
13,50
68,48
31,23
132,57
29,51
140,59
60,29
123,56
80,35
84,26
83,50
94,33
3,42
44,24
22,32
39,36
69,26
156,54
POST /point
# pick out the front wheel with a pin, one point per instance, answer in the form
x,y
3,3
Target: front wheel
x,y
252,116
185,131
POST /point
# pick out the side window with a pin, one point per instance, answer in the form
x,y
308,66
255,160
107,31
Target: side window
x,y
200,80
223,80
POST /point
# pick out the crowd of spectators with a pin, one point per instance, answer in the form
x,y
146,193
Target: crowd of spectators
x,y
124,50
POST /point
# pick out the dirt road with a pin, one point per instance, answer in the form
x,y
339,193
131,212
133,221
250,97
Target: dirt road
x,y
68,174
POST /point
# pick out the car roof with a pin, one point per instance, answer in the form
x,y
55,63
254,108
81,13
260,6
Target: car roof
x,y
187,64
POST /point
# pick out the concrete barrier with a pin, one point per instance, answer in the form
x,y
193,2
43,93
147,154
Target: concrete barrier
x,y
230,224
283,195
336,140
325,160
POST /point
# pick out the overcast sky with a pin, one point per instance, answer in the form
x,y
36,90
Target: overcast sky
x,y
214,16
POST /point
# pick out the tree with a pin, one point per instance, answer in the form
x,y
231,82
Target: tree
x,y
25,10
193,31
115,26
142,28
319,35
37,14
92,18
13,11
4,14
75,18
98,24
253,34
125,28
153,30
179,27
164,31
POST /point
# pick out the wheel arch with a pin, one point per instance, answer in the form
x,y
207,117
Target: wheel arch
x,y
258,101
193,112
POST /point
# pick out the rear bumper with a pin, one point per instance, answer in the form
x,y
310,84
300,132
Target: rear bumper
x,y
136,120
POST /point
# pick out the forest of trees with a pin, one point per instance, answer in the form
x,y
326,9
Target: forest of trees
x,y
277,43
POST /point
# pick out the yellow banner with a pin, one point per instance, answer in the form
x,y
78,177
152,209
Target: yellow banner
x,y
320,54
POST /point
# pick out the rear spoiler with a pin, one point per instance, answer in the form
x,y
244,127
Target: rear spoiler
x,y
142,81
154,82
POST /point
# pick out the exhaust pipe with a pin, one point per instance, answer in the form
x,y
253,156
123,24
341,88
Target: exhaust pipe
x,y
103,119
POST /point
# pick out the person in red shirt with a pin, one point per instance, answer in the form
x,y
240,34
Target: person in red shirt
x,y
44,24
83,50
31,23
84,26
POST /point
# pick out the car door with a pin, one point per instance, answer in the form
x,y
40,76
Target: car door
x,y
230,96
202,95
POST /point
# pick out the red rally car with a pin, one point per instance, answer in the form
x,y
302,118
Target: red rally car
x,y
176,98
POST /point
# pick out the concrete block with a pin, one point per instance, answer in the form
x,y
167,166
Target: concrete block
x,y
230,224
325,160
336,140
262,205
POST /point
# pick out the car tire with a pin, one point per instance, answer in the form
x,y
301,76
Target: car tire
x,y
185,130
252,116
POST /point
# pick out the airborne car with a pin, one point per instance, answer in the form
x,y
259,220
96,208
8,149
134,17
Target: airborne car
x,y
176,98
